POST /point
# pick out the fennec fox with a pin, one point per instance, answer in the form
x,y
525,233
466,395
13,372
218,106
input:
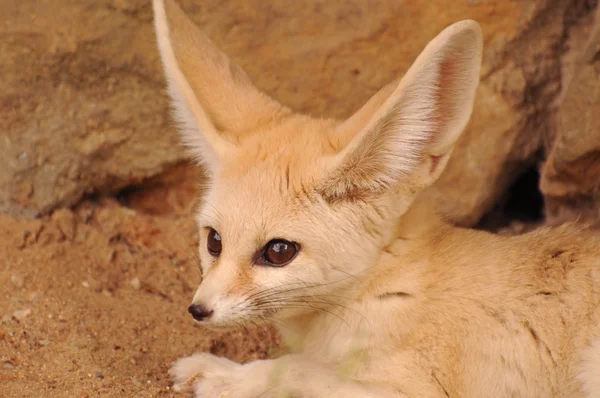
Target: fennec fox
x,y
320,227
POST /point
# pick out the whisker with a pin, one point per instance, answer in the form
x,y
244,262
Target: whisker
x,y
310,299
308,305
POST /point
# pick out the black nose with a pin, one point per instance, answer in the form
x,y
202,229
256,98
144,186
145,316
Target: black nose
x,y
199,312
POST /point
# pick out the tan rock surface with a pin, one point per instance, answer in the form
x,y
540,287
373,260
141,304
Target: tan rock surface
x,y
571,176
522,83
81,108
84,109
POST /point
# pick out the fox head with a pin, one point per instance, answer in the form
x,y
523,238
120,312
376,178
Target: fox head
x,y
299,208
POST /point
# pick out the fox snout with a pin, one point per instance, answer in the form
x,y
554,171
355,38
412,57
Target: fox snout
x,y
217,300
200,312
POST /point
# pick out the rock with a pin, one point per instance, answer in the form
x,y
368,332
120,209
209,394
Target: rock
x,y
17,280
81,102
20,315
135,283
523,79
65,219
83,107
570,178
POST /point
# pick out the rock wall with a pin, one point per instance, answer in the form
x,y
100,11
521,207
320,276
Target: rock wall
x,y
83,106
571,175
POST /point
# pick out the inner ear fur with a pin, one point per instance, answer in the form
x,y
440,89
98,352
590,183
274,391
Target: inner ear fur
x,y
406,136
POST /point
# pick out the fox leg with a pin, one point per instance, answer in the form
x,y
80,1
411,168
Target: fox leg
x,y
205,375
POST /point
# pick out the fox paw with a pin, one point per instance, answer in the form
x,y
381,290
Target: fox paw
x,y
205,375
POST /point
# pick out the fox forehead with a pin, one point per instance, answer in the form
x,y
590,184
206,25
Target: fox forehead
x,y
261,199
295,142
280,161
267,190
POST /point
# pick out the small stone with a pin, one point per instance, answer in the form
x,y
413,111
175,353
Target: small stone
x,y
44,342
85,284
17,280
99,375
65,220
107,293
135,283
22,314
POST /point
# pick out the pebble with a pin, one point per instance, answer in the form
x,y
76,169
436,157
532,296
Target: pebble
x,y
99,375
135,283
17,280
44,342
85,284
22,314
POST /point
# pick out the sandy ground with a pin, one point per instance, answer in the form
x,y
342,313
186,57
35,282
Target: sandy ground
x,y
93,300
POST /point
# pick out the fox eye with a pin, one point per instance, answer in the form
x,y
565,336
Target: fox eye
x,y
213,243
278,253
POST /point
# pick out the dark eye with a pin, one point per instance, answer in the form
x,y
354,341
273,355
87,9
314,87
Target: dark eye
x,y
279,252
213,243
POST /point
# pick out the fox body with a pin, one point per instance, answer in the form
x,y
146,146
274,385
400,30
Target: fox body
x,y
323,227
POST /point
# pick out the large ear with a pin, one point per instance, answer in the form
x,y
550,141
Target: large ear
x,y
407,134
214,100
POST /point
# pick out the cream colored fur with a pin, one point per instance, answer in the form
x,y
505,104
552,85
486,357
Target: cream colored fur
x,y
384,299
